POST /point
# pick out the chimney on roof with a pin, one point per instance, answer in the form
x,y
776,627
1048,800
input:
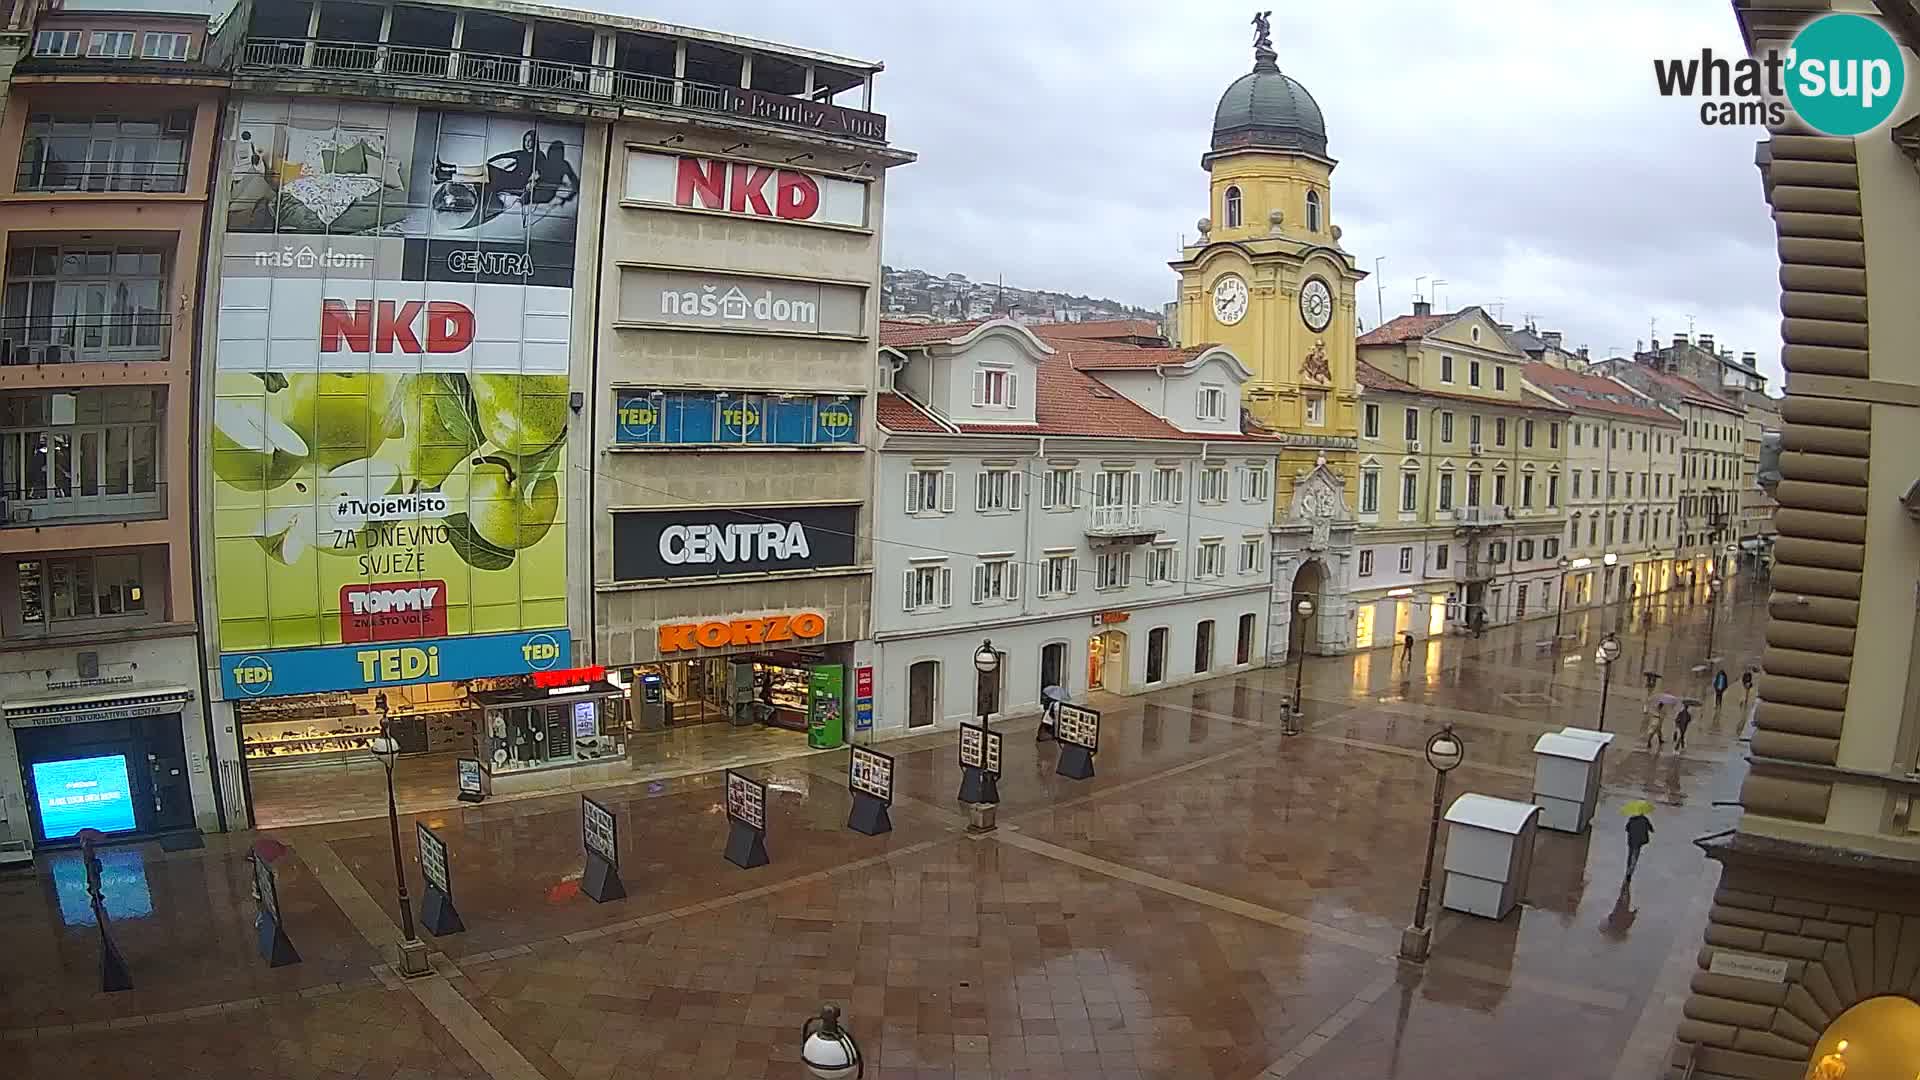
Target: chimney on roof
x,y
1506,327
1679,340
1706,342
1552,338
1422,307
1748,359
1583,352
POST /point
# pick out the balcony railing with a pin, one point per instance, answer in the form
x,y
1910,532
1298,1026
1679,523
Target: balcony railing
x,y
85,339
79,501
1120,522
52,176
461,67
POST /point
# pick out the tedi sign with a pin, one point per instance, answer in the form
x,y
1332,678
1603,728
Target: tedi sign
x,y
749,540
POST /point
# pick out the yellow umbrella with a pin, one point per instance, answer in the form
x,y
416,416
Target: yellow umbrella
x,y
1636,807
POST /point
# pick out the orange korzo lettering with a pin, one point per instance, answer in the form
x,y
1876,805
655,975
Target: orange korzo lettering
x,y
676,636
682,637
748,631
777,629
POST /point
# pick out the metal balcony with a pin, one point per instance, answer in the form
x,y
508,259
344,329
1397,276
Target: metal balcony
x,y
85,339
455,68
82,501
1479,517
51,177
1119,524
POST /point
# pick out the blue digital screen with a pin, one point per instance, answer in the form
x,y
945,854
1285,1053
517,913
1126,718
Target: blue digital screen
x,y
83,793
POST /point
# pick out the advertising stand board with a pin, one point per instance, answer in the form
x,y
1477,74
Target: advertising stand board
x,y
979,764
601,834
272,939
1078,729
870,778
746,822
437,912
473,780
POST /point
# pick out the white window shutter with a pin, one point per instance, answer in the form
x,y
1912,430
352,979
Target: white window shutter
x,y
979,582
1179,487
1133,486
1073,575
1013,389
946,491
1046,490
979,387
913,492
1075,481
980,490
1013,581
946,586
1016,484
906,597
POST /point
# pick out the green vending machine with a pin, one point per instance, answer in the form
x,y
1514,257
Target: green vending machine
x,y
826,706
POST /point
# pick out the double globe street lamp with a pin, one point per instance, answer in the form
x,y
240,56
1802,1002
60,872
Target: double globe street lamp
x,y
1445,752
386,748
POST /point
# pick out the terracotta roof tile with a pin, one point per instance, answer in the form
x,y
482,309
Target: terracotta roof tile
x,y
1098,330
1403,328
907,334
1591,393
898,413
1374,379
1101,357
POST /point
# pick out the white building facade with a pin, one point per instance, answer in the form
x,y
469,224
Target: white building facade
x,y
1095,512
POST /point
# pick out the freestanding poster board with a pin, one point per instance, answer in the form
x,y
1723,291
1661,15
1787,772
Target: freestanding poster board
x,y
870,778
746,821
979,764
1078,729
437,912
600,834
1489,854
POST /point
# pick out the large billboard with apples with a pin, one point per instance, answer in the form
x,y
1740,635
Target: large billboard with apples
x,y
391,394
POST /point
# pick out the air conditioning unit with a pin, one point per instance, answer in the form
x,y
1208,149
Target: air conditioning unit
x,y
20,515
1474,449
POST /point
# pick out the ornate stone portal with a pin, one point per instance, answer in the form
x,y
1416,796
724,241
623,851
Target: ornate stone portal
x,y
1312,553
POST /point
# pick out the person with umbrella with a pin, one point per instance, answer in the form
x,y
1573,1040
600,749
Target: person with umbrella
x,y
1052,696
1653,722
1680,723
1719,689
1639,830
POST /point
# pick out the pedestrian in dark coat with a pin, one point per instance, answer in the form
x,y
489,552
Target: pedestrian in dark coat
x,y
1680,723
1639,831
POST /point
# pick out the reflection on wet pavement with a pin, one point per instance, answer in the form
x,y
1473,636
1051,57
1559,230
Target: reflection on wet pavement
x,y
1220,900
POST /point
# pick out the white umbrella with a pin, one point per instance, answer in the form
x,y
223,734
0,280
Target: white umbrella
x,y
1055,693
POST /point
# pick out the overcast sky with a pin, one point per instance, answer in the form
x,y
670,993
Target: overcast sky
x,y
1516,148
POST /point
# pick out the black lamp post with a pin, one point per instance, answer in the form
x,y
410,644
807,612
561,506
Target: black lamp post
x,y
1561,606
1605,656
985,661
1445,752
828,1050
1713,609
413,951
1305,608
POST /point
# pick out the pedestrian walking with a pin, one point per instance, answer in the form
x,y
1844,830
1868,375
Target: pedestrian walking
x,y
1406,650
1639,832
1746,687
1680,723
1653,725
1719,689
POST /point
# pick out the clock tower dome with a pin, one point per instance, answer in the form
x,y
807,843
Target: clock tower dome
x,y
1268,279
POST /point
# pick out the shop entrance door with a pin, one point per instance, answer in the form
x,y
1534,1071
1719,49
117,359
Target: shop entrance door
x,y
923,684
1157,654
1053,665
1107,660
122,777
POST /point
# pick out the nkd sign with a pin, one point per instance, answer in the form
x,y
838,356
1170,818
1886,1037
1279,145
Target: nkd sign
x,y
746,188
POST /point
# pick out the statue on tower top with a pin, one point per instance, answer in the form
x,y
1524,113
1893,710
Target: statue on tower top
x,y
1262,30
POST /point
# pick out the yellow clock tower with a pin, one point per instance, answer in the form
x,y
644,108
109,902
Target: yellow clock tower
x,y
1268,278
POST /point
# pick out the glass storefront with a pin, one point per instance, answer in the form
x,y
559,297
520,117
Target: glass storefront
x,y
795,689
329,728
530,728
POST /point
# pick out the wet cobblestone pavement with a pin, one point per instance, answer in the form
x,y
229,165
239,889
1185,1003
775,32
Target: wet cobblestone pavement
x,y
1220,901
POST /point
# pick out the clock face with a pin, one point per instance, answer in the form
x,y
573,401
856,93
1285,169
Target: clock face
x,y
1316,304
1229,300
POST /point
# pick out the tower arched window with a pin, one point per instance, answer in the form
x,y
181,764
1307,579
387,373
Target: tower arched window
x,y
1233,208
1313,211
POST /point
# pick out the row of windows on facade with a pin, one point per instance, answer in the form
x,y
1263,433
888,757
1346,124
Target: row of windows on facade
x,y
1473,370
1652,485
1001,488
81,587
1370,428
996,578
997,387
1523,551
1410,490
1233,208
1653,526
113,44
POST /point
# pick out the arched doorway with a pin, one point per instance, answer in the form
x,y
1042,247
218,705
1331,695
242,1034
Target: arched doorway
x,y
1309,583
1878,1039
923,693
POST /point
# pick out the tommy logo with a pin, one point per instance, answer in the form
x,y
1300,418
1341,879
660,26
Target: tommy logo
x,y
393,611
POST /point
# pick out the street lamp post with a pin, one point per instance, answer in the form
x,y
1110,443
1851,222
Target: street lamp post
x,y
981,812
985,661
413,951
1713,608
1305,608
1445,752
1605,655
1561,606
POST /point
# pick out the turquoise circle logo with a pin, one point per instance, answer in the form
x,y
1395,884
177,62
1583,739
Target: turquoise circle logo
x,y
1845,74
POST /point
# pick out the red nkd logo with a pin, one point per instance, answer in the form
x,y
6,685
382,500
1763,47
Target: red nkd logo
x,y
706,184
393,611
389,326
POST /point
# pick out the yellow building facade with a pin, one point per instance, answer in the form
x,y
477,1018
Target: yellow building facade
x,y
1268,279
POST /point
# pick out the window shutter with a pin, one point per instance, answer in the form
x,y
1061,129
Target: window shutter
x,y
1073,575
1013,389
979,387
906,597
946,586
946,491
1046,490
1013,581
913,492
980,488
1016,483
1179,486
979,582
1133,488
1073,478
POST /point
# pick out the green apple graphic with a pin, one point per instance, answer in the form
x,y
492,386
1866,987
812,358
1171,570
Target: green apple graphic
x,y
343,417
441,430
509,508
521,414
252,449
289,531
